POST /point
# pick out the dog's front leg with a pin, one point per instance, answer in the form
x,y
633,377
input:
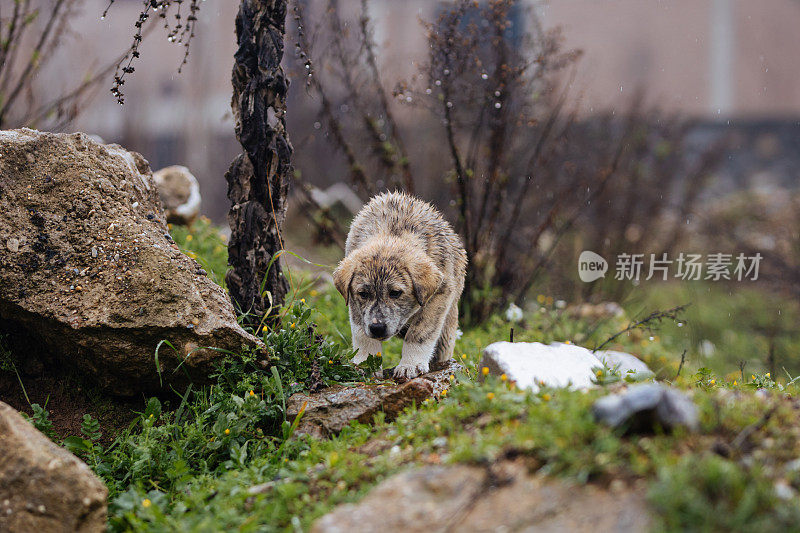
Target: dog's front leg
x,y
415,360
366,346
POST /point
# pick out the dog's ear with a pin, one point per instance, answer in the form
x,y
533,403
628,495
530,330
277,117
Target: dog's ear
x,y
426,278
343,276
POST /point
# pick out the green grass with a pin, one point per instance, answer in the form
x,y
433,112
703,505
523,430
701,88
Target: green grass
x,y
728,324
222,458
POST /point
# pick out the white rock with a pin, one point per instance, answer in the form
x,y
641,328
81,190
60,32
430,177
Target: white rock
x,y
338,193
179,192
530,364
624,362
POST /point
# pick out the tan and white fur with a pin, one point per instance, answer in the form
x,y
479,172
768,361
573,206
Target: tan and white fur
x,y
402,274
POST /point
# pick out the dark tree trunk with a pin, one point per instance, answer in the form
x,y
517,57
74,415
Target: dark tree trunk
x,y
258,178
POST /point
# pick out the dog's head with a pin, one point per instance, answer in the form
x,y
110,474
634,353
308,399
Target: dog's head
x,y
385,284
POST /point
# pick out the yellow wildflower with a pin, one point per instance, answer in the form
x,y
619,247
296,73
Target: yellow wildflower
x,y
292,325
541,298
503,377
485,371
189,237
735,383
379,354
146,503
227,431
252,393
490,396
302,300
546,397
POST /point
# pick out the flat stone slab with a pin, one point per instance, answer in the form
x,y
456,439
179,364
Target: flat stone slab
x,y
328,411
531,364
463,498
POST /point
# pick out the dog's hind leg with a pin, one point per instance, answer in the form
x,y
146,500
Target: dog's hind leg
x,y
447,339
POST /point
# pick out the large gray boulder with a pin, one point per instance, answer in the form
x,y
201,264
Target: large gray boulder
x,y
43,487
89,276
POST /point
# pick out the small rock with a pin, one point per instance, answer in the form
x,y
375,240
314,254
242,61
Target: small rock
x,y
625,363
644,406
179,193
13,245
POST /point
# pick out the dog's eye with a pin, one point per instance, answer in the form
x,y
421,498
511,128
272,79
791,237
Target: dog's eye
x,y
363,294
395,294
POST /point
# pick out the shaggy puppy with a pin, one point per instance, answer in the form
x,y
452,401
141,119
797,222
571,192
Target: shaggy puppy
x,y
402,274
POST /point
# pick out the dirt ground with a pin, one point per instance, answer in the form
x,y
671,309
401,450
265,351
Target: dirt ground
x,y
67,400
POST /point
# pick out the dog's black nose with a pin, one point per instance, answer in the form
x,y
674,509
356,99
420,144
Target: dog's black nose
x,y
377,330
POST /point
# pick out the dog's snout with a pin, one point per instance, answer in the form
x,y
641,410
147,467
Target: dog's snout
x,y
377,330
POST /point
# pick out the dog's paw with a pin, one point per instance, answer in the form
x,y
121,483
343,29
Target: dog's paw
x,y
406,372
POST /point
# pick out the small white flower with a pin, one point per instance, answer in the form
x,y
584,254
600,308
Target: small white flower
x,y
560,304
513,313
459,333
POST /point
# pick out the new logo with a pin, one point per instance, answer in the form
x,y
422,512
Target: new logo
x,y
591,266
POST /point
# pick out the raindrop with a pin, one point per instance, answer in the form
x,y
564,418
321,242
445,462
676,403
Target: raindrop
x,y
428,91
680,324
484,76
449,104
408,99
447,72
497,93
498,105
317,125
652,338
437,83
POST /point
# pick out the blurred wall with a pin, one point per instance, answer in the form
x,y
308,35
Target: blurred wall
x,y
713,59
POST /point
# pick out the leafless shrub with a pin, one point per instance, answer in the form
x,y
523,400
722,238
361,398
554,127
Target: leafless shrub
x,y
30,31
181,31
515,170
